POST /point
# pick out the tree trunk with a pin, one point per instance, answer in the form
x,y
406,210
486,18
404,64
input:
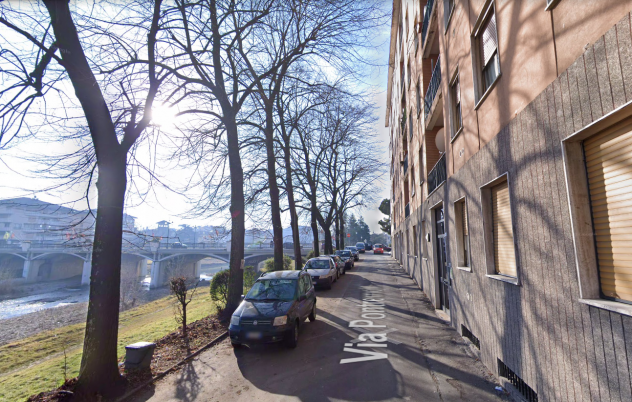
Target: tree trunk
x,y
328,243
98,373
298,260
238,229
315,233
184,320
337,230
275,208
343,235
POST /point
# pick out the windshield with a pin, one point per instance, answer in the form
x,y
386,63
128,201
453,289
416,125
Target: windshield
x,y
378,246
272,290
351,248
344,253
360,245
317,264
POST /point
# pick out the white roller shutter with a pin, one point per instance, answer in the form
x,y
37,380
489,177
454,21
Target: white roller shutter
x,y
504,254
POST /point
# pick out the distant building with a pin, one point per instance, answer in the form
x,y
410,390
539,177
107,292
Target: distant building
x,y
30,219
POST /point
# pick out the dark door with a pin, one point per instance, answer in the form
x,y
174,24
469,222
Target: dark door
x,y
444,269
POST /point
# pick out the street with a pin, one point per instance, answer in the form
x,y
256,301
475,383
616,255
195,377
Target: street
x,y
422,359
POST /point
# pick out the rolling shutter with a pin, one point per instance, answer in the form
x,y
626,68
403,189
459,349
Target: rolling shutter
x,y
489,41
609,167
504,255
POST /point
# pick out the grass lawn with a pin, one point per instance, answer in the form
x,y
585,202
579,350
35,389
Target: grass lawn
x,y
36,364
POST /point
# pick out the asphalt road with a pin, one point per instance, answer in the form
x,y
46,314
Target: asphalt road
x,y
420,358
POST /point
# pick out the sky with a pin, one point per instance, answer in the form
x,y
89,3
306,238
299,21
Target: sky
x,y
19,178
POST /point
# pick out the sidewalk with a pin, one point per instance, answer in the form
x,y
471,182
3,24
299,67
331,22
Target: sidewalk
x,y
418,358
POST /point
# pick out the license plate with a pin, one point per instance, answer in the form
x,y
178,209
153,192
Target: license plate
x,y
253,335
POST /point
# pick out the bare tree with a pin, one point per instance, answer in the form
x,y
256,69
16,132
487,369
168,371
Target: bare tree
x,y
183,291
53,33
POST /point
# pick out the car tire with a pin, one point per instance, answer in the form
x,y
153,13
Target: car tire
x,y
312,315
331,281
292,339
236,345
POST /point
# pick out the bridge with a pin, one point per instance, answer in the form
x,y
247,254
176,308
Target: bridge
x,y
32,262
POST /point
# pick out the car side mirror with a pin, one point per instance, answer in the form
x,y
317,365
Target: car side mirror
x,y
243,297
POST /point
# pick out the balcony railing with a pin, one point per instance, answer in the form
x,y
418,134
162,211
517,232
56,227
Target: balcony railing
x,y
433,87
426,23
437,175
405,164
407,210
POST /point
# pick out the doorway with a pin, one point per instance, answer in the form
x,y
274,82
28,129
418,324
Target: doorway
x,y
442,264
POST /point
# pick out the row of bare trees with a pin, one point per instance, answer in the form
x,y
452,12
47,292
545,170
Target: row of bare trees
x,y
268,119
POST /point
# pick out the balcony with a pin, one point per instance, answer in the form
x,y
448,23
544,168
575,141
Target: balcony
x,y
429,27
437,175
407,210
432,108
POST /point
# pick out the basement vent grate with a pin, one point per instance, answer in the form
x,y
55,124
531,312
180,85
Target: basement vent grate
x,y
469,335
526,391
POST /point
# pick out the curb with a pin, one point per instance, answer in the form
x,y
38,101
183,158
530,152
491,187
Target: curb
x,y
172,368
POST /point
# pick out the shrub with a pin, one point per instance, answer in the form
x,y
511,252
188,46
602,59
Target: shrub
x,y
310,255
219,288
268,265
250,276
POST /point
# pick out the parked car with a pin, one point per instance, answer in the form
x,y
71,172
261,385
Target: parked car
x,y
360,247
354,252
323,271
386,248
178,245
340,264
346,256
274,309
377,249
368,246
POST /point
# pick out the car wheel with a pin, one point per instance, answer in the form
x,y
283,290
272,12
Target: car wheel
x,y
331,280
312,315
344,271
236,345
292,339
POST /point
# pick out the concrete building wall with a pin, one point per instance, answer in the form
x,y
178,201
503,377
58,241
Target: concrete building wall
x,y
552,84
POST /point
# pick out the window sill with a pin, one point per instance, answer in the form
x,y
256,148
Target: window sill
x,y
486,94
456,134
465,269
503,278
615,307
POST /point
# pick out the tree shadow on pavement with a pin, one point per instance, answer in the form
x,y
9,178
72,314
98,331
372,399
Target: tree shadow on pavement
x,y
313,372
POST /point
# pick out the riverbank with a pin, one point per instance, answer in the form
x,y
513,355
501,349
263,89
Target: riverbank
x,y
37,363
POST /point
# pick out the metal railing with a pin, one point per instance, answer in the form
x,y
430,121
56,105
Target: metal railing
x,y
426,23
437,175
407,210
433,87
405,164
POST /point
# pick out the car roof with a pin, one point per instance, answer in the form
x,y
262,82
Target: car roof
x,y
320,258
281,274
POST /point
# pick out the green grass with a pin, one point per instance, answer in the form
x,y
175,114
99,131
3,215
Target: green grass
x,y
36,364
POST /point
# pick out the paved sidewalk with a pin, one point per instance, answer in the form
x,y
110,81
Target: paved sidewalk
x,y
419,357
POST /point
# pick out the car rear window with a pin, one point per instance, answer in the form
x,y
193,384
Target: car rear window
x,y
344,253
317,264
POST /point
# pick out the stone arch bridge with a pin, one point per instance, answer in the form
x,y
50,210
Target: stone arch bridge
x,y
20,263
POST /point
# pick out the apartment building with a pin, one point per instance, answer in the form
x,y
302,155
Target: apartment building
x,y
511,139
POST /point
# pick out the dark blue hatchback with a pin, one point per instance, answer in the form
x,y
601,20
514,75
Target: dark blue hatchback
x,y
274,309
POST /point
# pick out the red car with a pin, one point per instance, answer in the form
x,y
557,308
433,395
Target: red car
x,y
377,249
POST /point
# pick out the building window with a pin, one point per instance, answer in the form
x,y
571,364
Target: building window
x,y
608,165
462,234
407,242
412,179
418,97
455,97
448,8
500,252
421,165
597,164
485,51
415,248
